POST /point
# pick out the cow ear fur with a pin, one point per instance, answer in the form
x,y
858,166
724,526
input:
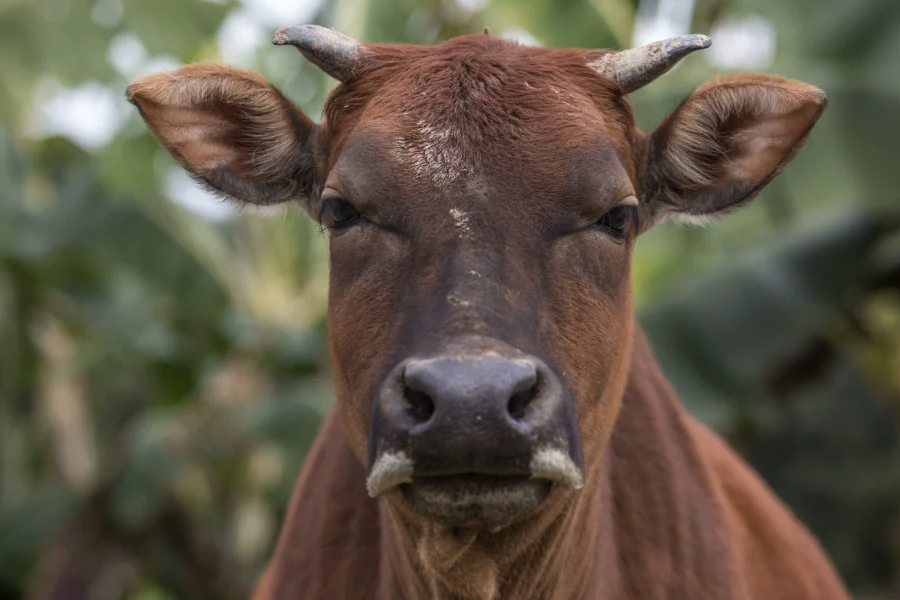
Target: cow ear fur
x,y
717,150
234,132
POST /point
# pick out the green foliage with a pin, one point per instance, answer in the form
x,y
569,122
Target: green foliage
x,y
162,376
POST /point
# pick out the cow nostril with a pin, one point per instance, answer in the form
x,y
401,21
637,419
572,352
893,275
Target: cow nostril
x,y
491,388
519,402
419,405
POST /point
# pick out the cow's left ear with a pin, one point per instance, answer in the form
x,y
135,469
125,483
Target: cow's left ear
x,y
724,143
234,132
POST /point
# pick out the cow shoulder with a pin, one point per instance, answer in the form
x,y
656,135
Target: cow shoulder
x,y
779,558
329,546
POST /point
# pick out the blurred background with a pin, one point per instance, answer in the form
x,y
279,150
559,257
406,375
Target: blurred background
x,y
163,360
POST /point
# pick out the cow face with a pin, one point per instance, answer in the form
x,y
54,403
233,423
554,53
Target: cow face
x,y
483,198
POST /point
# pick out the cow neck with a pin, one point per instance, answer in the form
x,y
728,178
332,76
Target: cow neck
x,y
549,559
669,531
647,517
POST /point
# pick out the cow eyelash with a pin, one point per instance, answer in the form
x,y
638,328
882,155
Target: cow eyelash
x,y
616,221
336,214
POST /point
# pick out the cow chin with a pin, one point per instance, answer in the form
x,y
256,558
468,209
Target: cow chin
x,y
475,500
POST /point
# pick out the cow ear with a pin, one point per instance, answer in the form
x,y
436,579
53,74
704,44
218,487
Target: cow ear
x,y
717,150
233,132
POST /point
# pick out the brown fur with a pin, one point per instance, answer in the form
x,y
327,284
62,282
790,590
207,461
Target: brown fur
x,y
481,168
672,514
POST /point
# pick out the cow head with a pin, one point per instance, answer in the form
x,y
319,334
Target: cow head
x,y
483,198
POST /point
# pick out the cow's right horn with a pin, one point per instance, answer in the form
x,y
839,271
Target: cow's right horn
x,y
333,52
636,67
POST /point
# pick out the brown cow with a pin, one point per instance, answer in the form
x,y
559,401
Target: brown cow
x,y
495,395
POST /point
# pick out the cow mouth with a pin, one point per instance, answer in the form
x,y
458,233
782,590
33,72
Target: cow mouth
x,y
551,465
476,499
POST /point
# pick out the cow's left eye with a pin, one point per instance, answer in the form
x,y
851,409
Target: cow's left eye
x,y
336,213
618,221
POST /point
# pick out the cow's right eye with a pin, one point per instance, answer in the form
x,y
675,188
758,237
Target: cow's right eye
x,y
618,220
336,213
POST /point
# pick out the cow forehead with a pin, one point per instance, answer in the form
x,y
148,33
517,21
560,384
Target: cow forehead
x,y
469,152
458,110
387,160
450,134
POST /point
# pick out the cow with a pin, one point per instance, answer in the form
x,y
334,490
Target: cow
x,y
502,430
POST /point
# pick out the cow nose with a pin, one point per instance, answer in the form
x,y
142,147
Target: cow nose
x,y
490,390
481,414
472,416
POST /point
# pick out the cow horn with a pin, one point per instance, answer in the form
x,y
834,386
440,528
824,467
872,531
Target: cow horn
x,y
636,67
331,51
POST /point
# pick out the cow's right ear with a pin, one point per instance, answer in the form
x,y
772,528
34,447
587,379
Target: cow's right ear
x,y
234,132
725,142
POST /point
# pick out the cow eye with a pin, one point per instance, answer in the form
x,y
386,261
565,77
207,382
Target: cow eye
x,y
618,221
336,213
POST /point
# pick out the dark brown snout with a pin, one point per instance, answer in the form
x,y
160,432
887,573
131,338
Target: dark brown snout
x,y
474,414
473,436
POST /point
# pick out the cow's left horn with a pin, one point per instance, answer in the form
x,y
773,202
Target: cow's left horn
x,y
636,67
333,52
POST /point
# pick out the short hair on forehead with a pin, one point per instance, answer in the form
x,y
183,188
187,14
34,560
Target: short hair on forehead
x,y
494,81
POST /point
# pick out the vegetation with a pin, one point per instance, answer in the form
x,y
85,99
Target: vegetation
x,y
162,375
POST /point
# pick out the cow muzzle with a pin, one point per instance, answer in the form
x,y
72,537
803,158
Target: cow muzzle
x,y
474,439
